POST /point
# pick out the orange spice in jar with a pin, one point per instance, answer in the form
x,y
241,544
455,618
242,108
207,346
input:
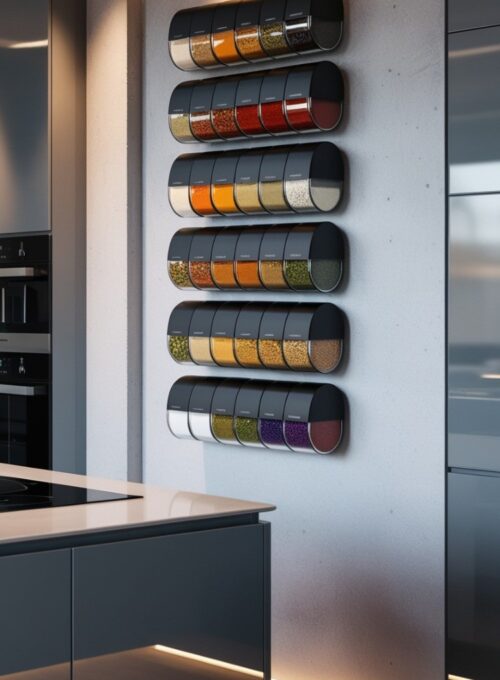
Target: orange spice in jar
x,y
223,184
223,37
247,258
223,330
223,254
200,185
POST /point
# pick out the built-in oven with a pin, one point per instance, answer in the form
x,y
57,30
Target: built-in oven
x,y
25,340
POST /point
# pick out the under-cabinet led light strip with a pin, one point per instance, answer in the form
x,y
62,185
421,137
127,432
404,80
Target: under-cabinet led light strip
x,y
209,661
457,677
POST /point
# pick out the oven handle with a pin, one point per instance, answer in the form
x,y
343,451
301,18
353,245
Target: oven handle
x,y
23,390
20,272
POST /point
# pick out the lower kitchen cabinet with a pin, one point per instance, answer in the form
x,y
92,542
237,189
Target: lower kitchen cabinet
x,y
35,616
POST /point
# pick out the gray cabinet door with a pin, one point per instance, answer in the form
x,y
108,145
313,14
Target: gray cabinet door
x,y
201,592
24,103
35,616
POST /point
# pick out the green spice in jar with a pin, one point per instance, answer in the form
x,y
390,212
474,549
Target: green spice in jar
x,y
179,274
222,428
273,40
247,430
178,346
297,274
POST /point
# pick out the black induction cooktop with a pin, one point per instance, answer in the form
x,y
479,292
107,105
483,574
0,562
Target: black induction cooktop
x,y
26,494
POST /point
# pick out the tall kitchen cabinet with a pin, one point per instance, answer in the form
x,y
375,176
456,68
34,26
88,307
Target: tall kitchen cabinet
x,y
42,184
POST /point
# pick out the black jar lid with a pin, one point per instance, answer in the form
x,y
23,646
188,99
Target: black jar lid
x,y
201,97
202,319
272,404
180,25
248,92
316,241
248,245
318,162
273,86
248,168
272,10
314,322
224,322
180,318
224,246
225,169
225,395
273,243
321,81
272,325
225,94
181,99
314,403
180,244
273,165
248,14
180,393
202,395
180,171
224,18
325,20
248,323
202,170
249,398
202,244
201,22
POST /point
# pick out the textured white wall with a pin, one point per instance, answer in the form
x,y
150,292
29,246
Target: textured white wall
x,y
358,538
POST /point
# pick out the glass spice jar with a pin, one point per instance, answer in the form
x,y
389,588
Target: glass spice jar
x,y
271,413
200,257
246,422
272,29
201,38
246,263
178,407
271,182
246,187
200,119
247,31
200,332
271,255
223,254
247,106
178,40
178,332
271,102
223,35
314,177
314,25
200,185
314,96
271,332
224,109
178,258
222,335
223,184
200,409
178,113
223,406
247,334
178,186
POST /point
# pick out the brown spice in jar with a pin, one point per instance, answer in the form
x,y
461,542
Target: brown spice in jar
x,y
224,122
326,354
201,51
248,43
200,274
297,355
247,353
271,274
271,353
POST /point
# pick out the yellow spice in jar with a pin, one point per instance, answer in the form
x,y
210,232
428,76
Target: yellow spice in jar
x,y
247,353
272,196
271,354
271,274
247,198
297,355
223,351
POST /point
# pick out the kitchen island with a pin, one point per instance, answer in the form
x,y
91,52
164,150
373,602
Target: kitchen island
x,y
92,590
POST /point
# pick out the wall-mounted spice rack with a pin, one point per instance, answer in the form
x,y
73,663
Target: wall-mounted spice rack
x,y
280,101
285,257
229,34
297,336
283,416
302,178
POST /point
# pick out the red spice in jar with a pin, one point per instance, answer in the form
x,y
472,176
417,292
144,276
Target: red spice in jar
x,y
248,120
325,435
273,118
201,126
305,114
201,275
224,122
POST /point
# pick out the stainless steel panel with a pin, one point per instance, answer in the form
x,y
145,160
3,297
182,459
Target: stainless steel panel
x,y
474,333
464,14
24,143
23,390
474,111
36,343
20,272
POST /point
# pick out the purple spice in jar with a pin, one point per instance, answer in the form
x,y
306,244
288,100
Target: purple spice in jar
x,y
297,435
271,432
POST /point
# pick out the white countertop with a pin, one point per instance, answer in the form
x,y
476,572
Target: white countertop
x,y
158,506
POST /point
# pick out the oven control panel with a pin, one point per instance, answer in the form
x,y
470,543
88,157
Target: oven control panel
x,y
24,368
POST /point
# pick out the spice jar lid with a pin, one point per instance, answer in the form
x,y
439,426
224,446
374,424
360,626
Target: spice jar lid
x,y
180,318
202,170
273,86
224,246
180,25
224,18
273,243
272,10
248,91
248,323
272,325
248,245
321,161
180,99
248,168
201,22
225,169
322,14
202,244
202,319
272,404
273,165
314,322
224,322
180,171
248,14
225,94
180,393
321,81
314,403
225,395
318,241
248,399
201,97
180,244
202,395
